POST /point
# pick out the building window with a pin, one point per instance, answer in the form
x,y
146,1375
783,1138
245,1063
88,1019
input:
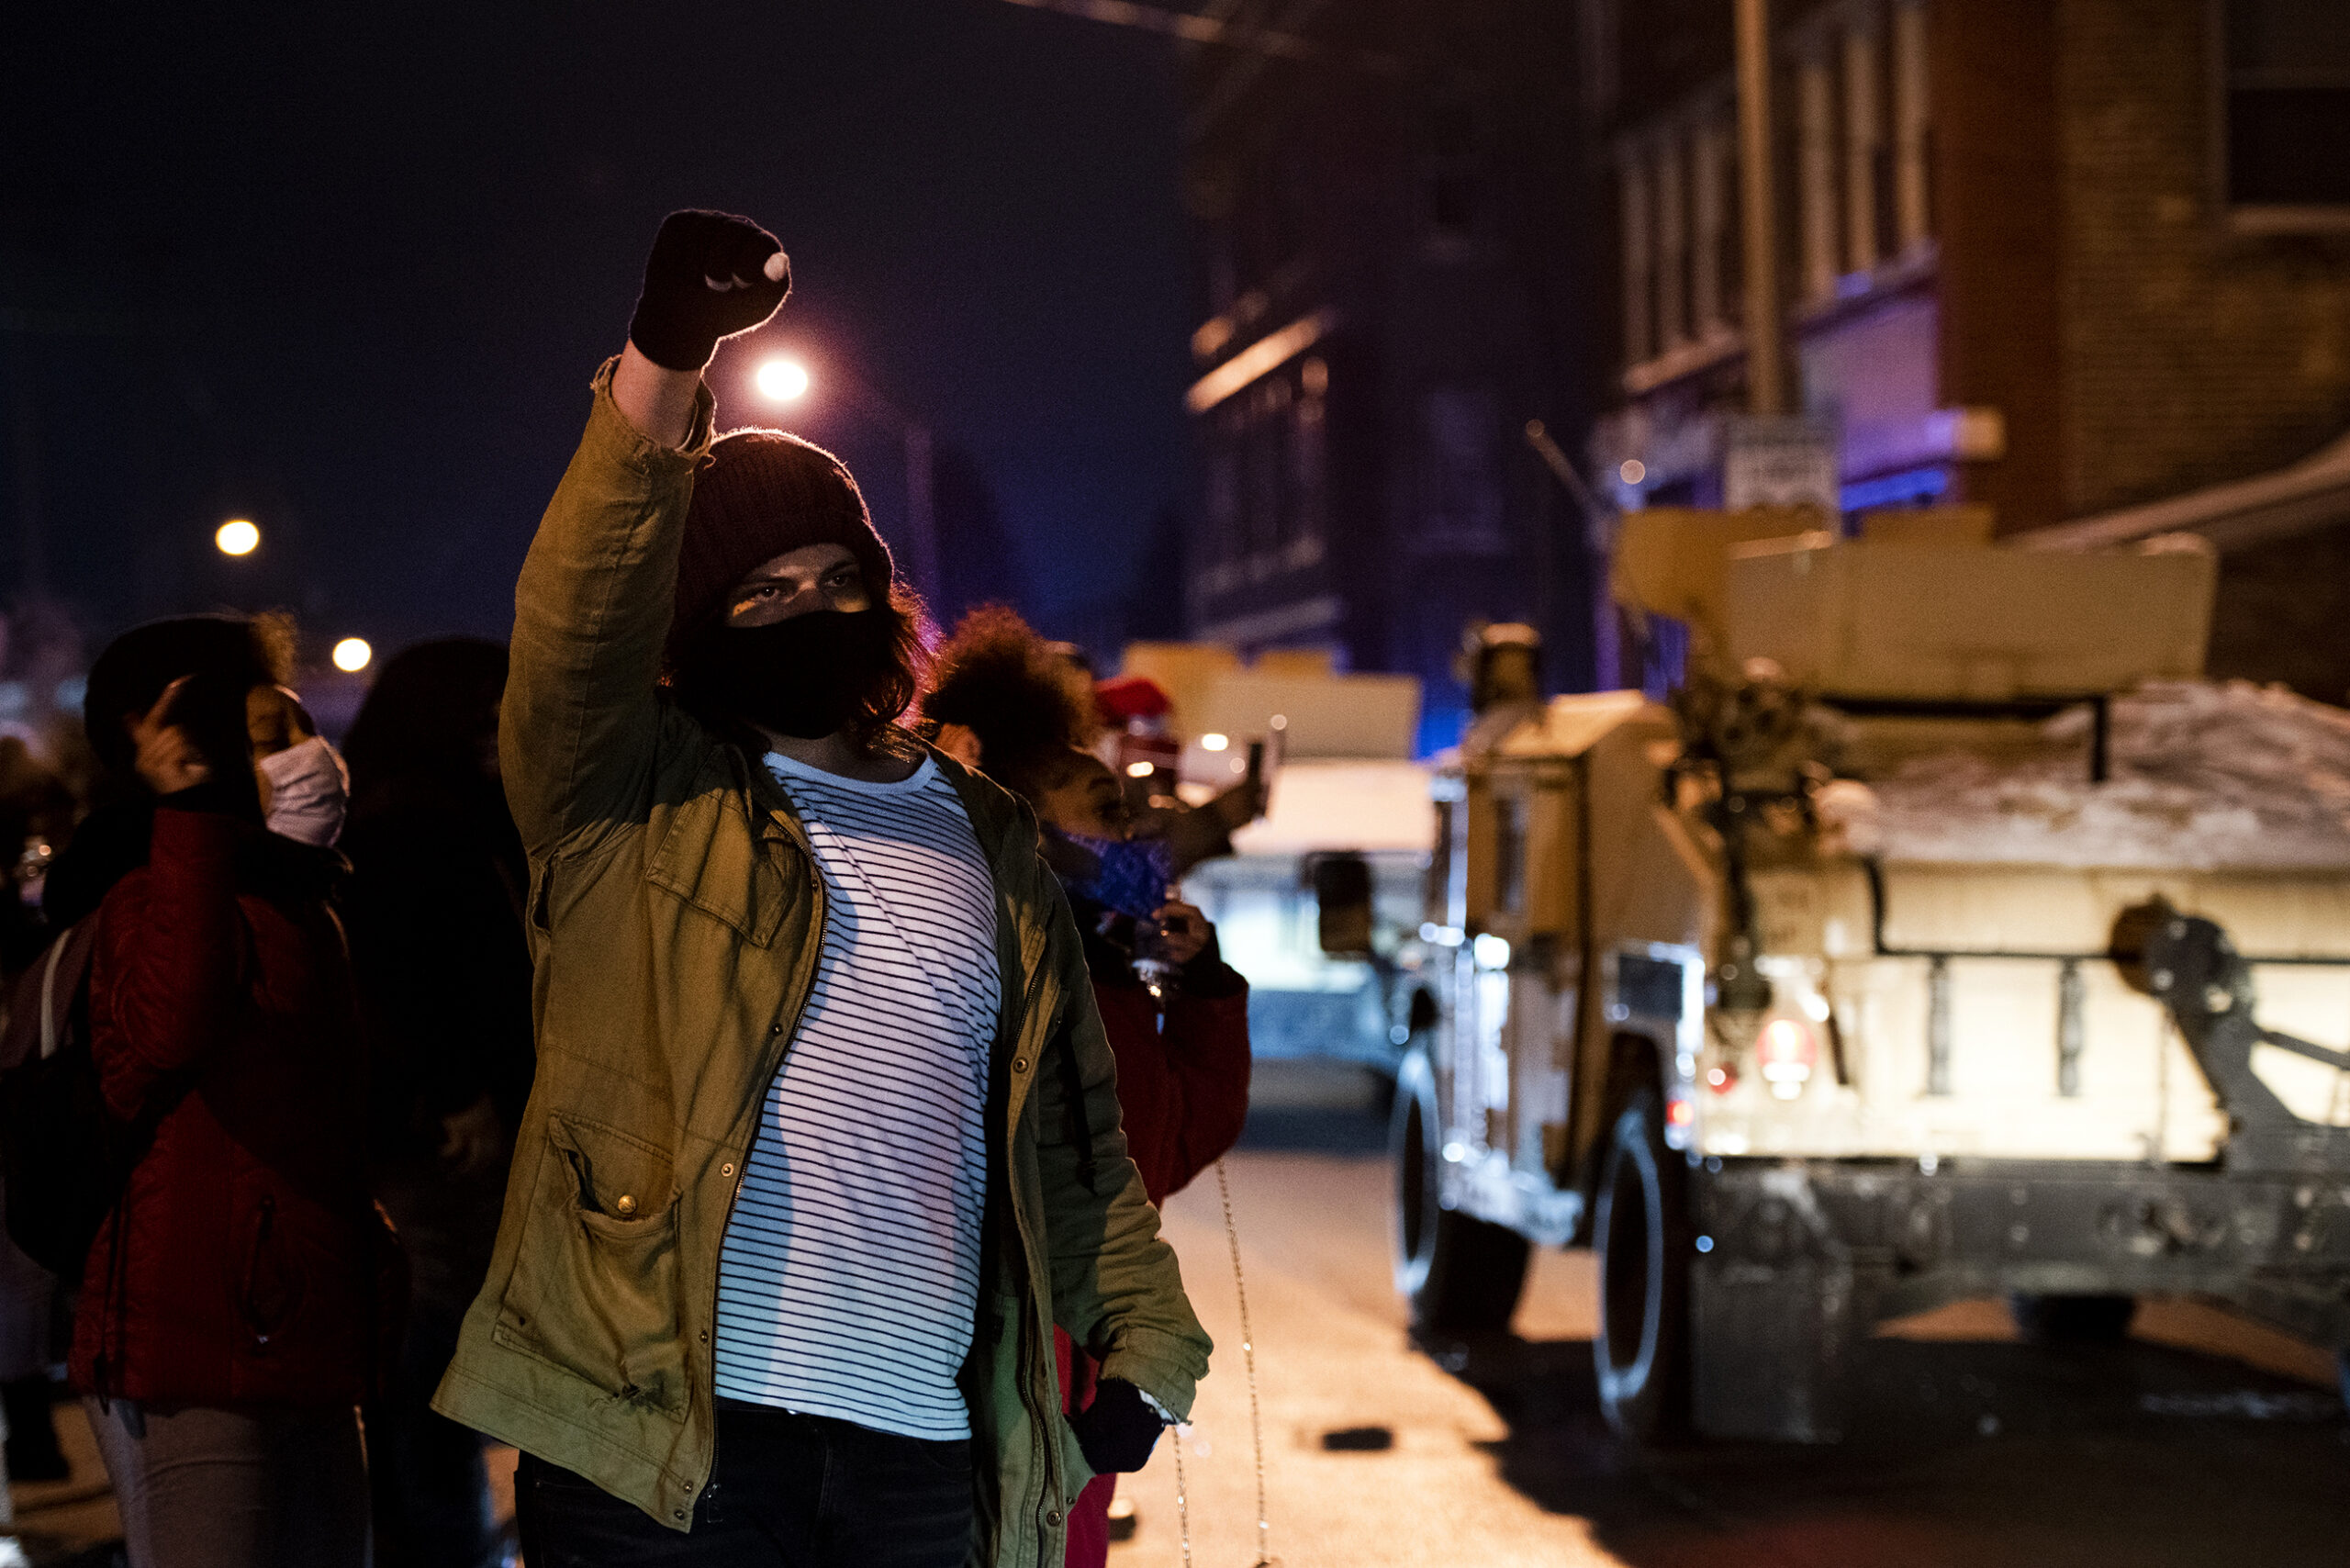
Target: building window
x,y
1453,171
1816,174
1223,549
1865,153
2285,120
1713,251
1912,129
1633,174
1598,21
1267,478
1672,245
1509,854
1309,466
1461,472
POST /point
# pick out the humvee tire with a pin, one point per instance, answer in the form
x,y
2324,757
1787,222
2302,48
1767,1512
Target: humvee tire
x,y
2071,1319
1643,1235
1461,1274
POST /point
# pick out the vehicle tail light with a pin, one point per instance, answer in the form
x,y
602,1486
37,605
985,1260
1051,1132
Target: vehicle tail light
x,y
1722,1079
1784,1053
1680,1114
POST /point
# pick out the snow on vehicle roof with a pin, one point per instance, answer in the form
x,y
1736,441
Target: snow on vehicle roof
x,y
2204,777
1365,805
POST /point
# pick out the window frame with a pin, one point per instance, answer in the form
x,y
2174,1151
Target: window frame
x,y
2253,218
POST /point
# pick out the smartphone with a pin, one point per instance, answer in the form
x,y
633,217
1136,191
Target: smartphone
x,y
1264,762
211,709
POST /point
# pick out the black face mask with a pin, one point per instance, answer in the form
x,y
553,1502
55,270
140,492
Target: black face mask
x,y
807,677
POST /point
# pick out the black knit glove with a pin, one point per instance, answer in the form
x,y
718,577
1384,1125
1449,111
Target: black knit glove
x,y
710,275
1118,1430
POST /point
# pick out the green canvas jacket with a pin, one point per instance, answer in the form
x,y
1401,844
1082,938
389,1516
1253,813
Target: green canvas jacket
x,y
675,918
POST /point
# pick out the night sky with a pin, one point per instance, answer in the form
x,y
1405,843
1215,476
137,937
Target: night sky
x,y
347,271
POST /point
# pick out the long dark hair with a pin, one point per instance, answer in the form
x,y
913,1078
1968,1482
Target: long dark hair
x,y
432,709
876,729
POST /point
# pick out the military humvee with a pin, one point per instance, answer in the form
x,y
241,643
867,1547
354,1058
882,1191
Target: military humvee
x,y
1939,938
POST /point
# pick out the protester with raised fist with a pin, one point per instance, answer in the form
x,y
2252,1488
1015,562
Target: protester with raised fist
x,y
823,1141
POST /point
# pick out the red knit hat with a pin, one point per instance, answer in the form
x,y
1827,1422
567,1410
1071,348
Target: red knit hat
x,y
763,494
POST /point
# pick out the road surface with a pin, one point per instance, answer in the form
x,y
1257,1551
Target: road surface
x,y
2204,1441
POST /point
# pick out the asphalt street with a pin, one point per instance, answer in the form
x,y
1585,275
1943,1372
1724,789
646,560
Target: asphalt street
x,y
2202,1441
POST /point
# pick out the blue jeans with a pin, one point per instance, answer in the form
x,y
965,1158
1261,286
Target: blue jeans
x,y
790,1491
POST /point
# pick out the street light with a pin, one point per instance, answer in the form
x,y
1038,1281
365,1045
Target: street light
x,y
237,537
787,380
352,654
783,380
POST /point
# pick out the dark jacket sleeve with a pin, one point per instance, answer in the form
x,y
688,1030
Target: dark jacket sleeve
x,y
1116,1289
1182,1083
172,958
1205,1041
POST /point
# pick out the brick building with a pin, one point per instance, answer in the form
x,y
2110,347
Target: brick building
x,y
1391,235
2085,260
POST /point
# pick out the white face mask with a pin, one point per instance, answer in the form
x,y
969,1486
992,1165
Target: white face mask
x,y
307,785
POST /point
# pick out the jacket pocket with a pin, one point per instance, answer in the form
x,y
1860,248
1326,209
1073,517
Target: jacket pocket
x,y
712,856
595,1283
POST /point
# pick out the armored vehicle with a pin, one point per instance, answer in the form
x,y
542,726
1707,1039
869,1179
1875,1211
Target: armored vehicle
x,y
1942,934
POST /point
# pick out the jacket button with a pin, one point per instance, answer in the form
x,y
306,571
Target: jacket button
x,y
625,1206
1019,1064
727,1169
777,1030
1054,1518
676,1513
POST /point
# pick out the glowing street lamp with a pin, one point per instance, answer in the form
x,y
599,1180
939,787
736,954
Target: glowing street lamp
x,y
351,654
237,537
782,380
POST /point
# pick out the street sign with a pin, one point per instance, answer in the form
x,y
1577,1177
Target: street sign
x,y
1780,462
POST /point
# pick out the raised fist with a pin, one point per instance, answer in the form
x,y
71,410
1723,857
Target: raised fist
x,y
710,275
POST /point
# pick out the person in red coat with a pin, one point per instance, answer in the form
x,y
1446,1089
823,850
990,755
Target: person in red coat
x,y
1177,1014
233,1307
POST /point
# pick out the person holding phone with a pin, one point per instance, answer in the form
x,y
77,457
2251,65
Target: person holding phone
x,y
1177,1014
824,1141
237,1304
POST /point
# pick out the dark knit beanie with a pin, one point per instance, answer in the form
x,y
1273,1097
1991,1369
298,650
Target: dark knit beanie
x,y
763,494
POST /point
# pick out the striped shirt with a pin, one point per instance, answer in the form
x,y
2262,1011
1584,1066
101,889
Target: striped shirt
x,y
850,1271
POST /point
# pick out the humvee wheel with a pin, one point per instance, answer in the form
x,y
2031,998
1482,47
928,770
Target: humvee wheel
x,y
2071,1319
1461,1274
1641,1231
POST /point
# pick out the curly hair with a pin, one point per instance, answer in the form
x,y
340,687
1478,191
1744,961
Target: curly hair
x,y
996,677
